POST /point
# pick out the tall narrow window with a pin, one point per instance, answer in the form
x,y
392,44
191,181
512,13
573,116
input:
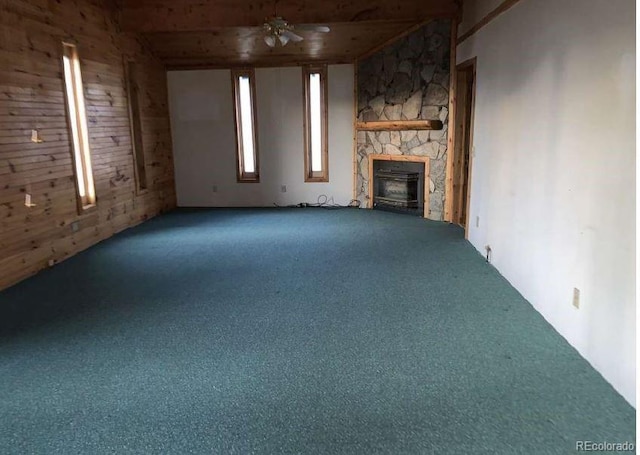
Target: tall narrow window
x,y
133,94
78,124
316,156
246,135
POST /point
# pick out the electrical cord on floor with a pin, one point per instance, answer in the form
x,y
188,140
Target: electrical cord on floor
x,y
323,202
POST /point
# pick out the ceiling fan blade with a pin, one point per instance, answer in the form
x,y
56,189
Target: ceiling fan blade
x,y
292,36
313,28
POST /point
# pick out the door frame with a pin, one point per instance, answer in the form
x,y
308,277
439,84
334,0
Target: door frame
x,y
470,64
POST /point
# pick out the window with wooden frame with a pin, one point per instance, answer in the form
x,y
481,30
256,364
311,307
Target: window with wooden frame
x,y
316,154
78,127
133,96
244,94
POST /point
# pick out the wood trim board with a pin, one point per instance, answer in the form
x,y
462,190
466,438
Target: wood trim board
x,y
394,39
473,64
504,6
448,182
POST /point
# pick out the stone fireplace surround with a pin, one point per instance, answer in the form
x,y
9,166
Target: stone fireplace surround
x,y
404,82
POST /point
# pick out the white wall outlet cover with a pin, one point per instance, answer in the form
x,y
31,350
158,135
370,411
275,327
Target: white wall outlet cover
x,y
576,298
35,136
27,201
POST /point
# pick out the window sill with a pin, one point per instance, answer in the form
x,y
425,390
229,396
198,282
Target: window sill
x,y
249,180
316,179
86,209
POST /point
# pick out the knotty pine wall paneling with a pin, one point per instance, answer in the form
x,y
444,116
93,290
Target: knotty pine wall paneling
x,y
32,97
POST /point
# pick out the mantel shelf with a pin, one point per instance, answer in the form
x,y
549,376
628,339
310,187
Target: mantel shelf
x,y
400,125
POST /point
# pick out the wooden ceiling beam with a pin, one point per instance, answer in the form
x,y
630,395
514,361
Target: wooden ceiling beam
x,y
198,15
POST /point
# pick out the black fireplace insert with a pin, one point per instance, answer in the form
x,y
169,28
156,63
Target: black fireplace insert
x,y
398,186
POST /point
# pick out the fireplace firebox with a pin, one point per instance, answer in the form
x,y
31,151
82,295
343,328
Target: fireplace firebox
x,y
399,186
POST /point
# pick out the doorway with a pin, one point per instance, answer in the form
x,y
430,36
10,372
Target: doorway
x,y
463,142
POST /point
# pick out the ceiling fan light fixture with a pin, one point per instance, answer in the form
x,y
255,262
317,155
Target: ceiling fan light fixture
x,y
270,40
284,39
277,29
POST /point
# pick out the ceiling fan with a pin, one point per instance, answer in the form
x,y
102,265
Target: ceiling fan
x,y
278,30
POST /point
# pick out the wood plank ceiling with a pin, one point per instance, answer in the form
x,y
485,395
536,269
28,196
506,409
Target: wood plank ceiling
x,y
229,33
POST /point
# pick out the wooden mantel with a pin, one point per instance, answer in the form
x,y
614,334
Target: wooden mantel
x,y
400,125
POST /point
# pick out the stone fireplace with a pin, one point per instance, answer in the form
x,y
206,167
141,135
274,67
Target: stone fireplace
x,y
398,184
406,81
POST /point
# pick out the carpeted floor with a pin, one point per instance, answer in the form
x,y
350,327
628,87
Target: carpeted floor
x,y
276,331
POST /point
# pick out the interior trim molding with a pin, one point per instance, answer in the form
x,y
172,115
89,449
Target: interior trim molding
x,y
448,176
504,6
393,39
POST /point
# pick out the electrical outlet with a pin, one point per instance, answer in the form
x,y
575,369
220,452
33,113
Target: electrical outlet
x,y
35,137
75,226
27,201
283,188
477,221
576,298
214,188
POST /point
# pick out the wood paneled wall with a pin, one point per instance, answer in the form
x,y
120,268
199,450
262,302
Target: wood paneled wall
x,y
32,97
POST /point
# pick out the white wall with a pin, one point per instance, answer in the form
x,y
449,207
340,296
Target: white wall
x,y
553,176
201,107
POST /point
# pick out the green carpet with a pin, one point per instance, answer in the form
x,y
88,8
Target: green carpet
x,y
281,331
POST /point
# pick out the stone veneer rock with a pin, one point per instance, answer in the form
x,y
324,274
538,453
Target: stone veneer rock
x,y
407,80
